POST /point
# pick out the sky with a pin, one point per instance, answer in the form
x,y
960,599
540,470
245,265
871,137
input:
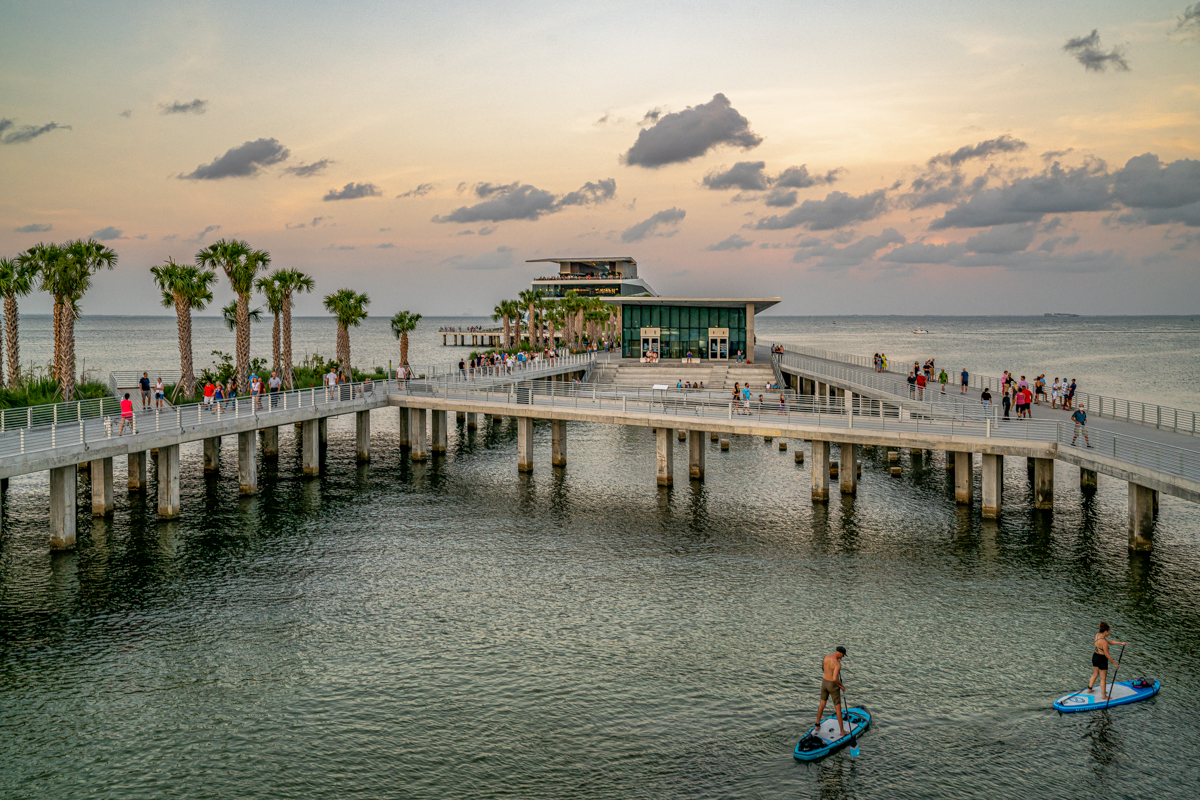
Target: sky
x,y
859,157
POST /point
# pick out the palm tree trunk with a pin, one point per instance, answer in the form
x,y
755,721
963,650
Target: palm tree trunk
x,y
287,341
344,333
67,369
11,326
243,343
54,369
187,378
404,348
275,344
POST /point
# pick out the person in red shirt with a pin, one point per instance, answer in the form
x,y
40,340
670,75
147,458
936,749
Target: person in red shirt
x,y
921,385
126,415
209,391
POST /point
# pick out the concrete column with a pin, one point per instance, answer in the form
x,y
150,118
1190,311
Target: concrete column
x,y
472,421
248,463
820,470
323,430
417,432
666,456
949,459
136,480
964,478
460,417
270,442
696,455
212,454
62,507
993,485
405,439
362,435
1141,517
168,481
438,426
310,447
849,468
102,487
558,442
1088,480
1043,483
524,444
749,333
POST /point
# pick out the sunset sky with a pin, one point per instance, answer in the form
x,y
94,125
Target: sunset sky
x,y
924,158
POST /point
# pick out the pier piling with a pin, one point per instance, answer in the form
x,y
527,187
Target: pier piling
x,y
212,454
310,448
993,485
1043,484
696,455
849,473
558,442
1088,480
665,457
964,478
524,444
437,426
820,471
247,463
168,481
362,435
136,475
1142,501
417,433
270,442
63,482
102,487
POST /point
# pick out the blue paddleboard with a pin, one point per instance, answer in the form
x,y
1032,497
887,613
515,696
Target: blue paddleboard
x,y
1119,694
824,739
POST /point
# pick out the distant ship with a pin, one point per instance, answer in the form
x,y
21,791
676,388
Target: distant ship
x,y
1060,314
920,330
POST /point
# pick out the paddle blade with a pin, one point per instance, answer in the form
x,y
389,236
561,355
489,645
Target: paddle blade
x,y
853,747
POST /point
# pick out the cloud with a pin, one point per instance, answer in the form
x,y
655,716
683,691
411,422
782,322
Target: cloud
x,y
199,237
10,133
1057,243
515,200
197,106
308,170
1052,224
839,258
603,120
244,161
1189,21
34,227
1145,182
733,242
683,135
1086,50
799,177
1003,239
984,149
652,116
500,258
127,113
421,190
1055,191
749,176
487,230
385,246
835,211
649,226
781,198
106,234
960,255
921,253
353,191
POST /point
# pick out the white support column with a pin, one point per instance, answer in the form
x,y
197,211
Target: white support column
x,y
136,480
417,431
524,444
248,463
62,507
848,472
666,456
102,487
212,454
993,485
310,447
362,435
1141,517
1043,483
438,430
964,477
405,438
820,471
168,481
558,442
696,455
270,442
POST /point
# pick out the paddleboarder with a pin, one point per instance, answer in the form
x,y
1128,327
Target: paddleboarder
x,y
832,686
1100,660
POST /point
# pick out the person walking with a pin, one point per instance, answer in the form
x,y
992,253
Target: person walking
x,y
209,391
331,381
964,378
985,398
1101,659
1080,417
942,379
144,383
159,390
921,381
1005,401
126,415
218,396
1070,400
275,384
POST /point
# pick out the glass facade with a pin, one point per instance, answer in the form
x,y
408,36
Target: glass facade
x,y
681,328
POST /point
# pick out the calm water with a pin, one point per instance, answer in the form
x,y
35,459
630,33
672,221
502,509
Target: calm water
x,y
456,630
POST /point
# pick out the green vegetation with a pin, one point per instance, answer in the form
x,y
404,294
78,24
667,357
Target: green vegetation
x,y
40,388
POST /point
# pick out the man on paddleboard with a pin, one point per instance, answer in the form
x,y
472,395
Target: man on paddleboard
x,y
832,686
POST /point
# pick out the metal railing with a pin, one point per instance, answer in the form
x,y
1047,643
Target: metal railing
x,y
128,378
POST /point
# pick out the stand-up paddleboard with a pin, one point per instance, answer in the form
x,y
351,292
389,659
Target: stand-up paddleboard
x,y
1119,694
824,739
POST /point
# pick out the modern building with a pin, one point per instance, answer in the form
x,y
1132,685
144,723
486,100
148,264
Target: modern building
x,y
672,327
608,276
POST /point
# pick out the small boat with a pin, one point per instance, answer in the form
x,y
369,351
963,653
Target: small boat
x,y
824,739
1119,694
920,330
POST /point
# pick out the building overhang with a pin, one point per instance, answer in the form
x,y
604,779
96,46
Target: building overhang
x,y
760,303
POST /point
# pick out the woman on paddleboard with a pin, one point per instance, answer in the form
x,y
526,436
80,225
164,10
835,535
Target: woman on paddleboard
x,y
1100,660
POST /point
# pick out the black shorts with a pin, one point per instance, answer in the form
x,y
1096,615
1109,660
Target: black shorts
x,y
1099,661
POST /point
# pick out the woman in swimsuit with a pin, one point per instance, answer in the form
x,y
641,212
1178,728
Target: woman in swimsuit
x,y
1100,660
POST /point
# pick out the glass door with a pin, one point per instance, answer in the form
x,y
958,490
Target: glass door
x,y
718,348
650,345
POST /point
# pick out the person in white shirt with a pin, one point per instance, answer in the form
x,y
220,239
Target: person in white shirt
x,y
331,381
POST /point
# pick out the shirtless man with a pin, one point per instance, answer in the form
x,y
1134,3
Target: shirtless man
x,y
832,686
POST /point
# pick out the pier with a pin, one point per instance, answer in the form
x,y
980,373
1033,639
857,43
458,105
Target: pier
x,y
835,406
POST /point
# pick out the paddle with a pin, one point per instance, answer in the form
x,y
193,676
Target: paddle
x,y
846,714
1114,680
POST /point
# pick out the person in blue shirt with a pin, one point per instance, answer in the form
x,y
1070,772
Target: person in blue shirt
x,y
1080,417
965,376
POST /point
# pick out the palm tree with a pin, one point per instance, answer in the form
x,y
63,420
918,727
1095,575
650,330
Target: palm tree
x,y
16,280
186,288
529,298
241,265
553,314
68,278
349,308
571,305
500,313
41,260
290,281
402,324
273,292
229,313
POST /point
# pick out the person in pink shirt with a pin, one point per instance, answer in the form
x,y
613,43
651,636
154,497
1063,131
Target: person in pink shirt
x,y
126,415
